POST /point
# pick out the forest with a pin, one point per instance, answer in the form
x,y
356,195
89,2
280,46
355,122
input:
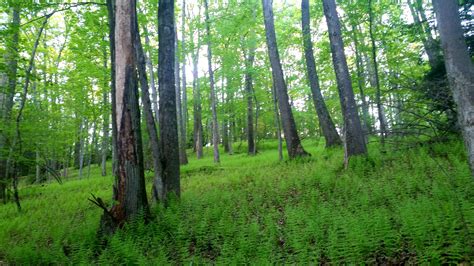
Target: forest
x,y
236,132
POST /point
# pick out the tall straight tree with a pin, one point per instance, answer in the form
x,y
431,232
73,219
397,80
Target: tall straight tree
x,y
459,68
293,143
169,144
354,137
215,126
327,125
197,110
378,94
184,100
130,196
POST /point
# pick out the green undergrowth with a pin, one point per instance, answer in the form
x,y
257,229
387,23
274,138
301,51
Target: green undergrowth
x,y
408,206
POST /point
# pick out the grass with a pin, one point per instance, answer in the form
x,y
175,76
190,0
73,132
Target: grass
x,y
410,206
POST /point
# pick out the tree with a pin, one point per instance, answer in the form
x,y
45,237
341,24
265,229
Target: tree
x,y
130,198
459,68
327,125
354,143
169,143
293,144
215,126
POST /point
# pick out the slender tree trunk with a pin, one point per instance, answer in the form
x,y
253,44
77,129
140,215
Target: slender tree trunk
x,y
215,126
429,44
105,127
131,193
380,109
293,144
157,189
169,143
249,60
111,20
277,124
38,167
459,68
154,93
183,159
354,137
184,102
361,85
327,125
82,142
197,110
92,148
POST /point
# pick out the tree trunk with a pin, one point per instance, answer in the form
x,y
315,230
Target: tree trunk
x,y
181,135
459,68
105,127
380,109
157,189
111,20
277,124
131,193
354,137
327,125
92,148
215,126
293,144
249,60
82,141
154,93
184,101
169,143
197,110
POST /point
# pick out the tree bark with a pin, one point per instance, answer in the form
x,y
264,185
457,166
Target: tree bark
x,y
184,101
327,125
169,143
354,137
105,127
293,143
249,94
215,126
154,93
277,124
459,68
131,193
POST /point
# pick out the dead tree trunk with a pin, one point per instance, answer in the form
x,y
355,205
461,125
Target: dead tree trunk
x,y
327,125
354,137
293,144
215,126
459,68
131,193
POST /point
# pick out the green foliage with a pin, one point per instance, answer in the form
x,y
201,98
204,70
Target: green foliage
x,y
409,206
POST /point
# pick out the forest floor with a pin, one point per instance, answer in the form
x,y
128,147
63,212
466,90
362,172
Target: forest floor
x,y
413,205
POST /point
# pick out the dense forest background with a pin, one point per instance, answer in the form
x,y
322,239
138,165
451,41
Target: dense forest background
x,y
254,113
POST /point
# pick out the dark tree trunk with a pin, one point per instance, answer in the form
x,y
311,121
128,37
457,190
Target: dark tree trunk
x,y
277,124
293,144
184,101
131,193
157,190
169,143
154,93
380,109
459,68
215,126
327,126
354,137
111,21
249,59
105,127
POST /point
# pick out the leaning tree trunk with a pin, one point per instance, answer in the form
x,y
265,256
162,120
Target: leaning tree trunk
x,y
157,190
215,126
327,125
131,193
293,144
459,68
169,143
354,137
